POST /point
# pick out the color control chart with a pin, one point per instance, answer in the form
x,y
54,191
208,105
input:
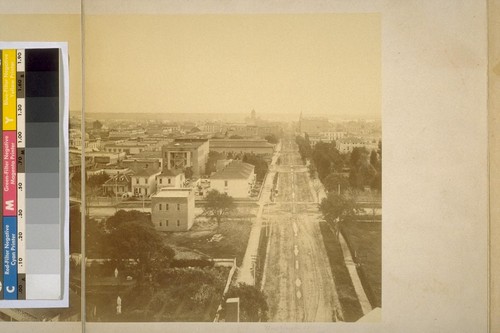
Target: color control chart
x,y
34,195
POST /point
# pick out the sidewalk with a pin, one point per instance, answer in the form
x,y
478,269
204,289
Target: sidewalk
x,y
349,263
245,272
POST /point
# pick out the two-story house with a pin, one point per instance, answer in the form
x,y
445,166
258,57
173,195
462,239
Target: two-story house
x,y
172,209
144,182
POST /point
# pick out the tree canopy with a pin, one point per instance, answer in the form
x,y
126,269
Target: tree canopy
x,y
132,235
305,150
253,303
218,205
327,159
213,157
260,164
333,181
337,209
362,171
271,138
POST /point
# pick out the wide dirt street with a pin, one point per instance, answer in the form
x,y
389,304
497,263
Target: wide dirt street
x,y
299,281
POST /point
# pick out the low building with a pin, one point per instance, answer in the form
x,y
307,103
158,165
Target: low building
x,y
173,178
236,179
172,209
104,158
188,153
144,182
119,184
242,146
129,148
143,163
346,145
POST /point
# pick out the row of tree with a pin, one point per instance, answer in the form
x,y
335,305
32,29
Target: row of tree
x,y
365,167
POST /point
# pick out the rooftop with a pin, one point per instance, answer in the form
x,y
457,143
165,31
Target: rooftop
x,y
235,170
146,172
250,143
173,193
184,145
170,173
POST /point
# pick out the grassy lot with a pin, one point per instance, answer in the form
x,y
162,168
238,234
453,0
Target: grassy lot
x,y
345,289
177,294
365,240
207,240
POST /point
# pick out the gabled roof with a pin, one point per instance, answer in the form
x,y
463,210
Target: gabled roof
x,y
119,179
146,172
170,173
235,170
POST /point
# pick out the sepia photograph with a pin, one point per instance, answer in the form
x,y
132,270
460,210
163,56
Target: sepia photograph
x,y
233,167
225,165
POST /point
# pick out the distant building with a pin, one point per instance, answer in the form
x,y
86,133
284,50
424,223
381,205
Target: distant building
x,y
173,209
144,182
104,158
333,135
129,148
143,163
235,178
211,127
346,145
173,178
241,146
186,154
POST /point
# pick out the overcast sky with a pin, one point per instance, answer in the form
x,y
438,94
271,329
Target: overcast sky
x,y
276,63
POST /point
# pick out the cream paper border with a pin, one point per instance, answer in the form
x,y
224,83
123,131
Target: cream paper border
x,y
435,165
494,143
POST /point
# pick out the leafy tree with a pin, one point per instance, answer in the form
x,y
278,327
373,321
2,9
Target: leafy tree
x,y
377,181
94,239
333,181
305,150
96,181
213,157
362,172
188,172
131,235
271,138
312,170
75,231
374,159
97,125
337,209
327,159
260,164
218,205
253,302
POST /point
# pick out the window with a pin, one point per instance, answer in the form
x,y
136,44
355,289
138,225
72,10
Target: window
x,y
161,181
166,223
178,223
137,180
159,207
178,206
160,223
225,183
169,181
166,206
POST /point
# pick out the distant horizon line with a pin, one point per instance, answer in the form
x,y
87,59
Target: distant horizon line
x,y
233,113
